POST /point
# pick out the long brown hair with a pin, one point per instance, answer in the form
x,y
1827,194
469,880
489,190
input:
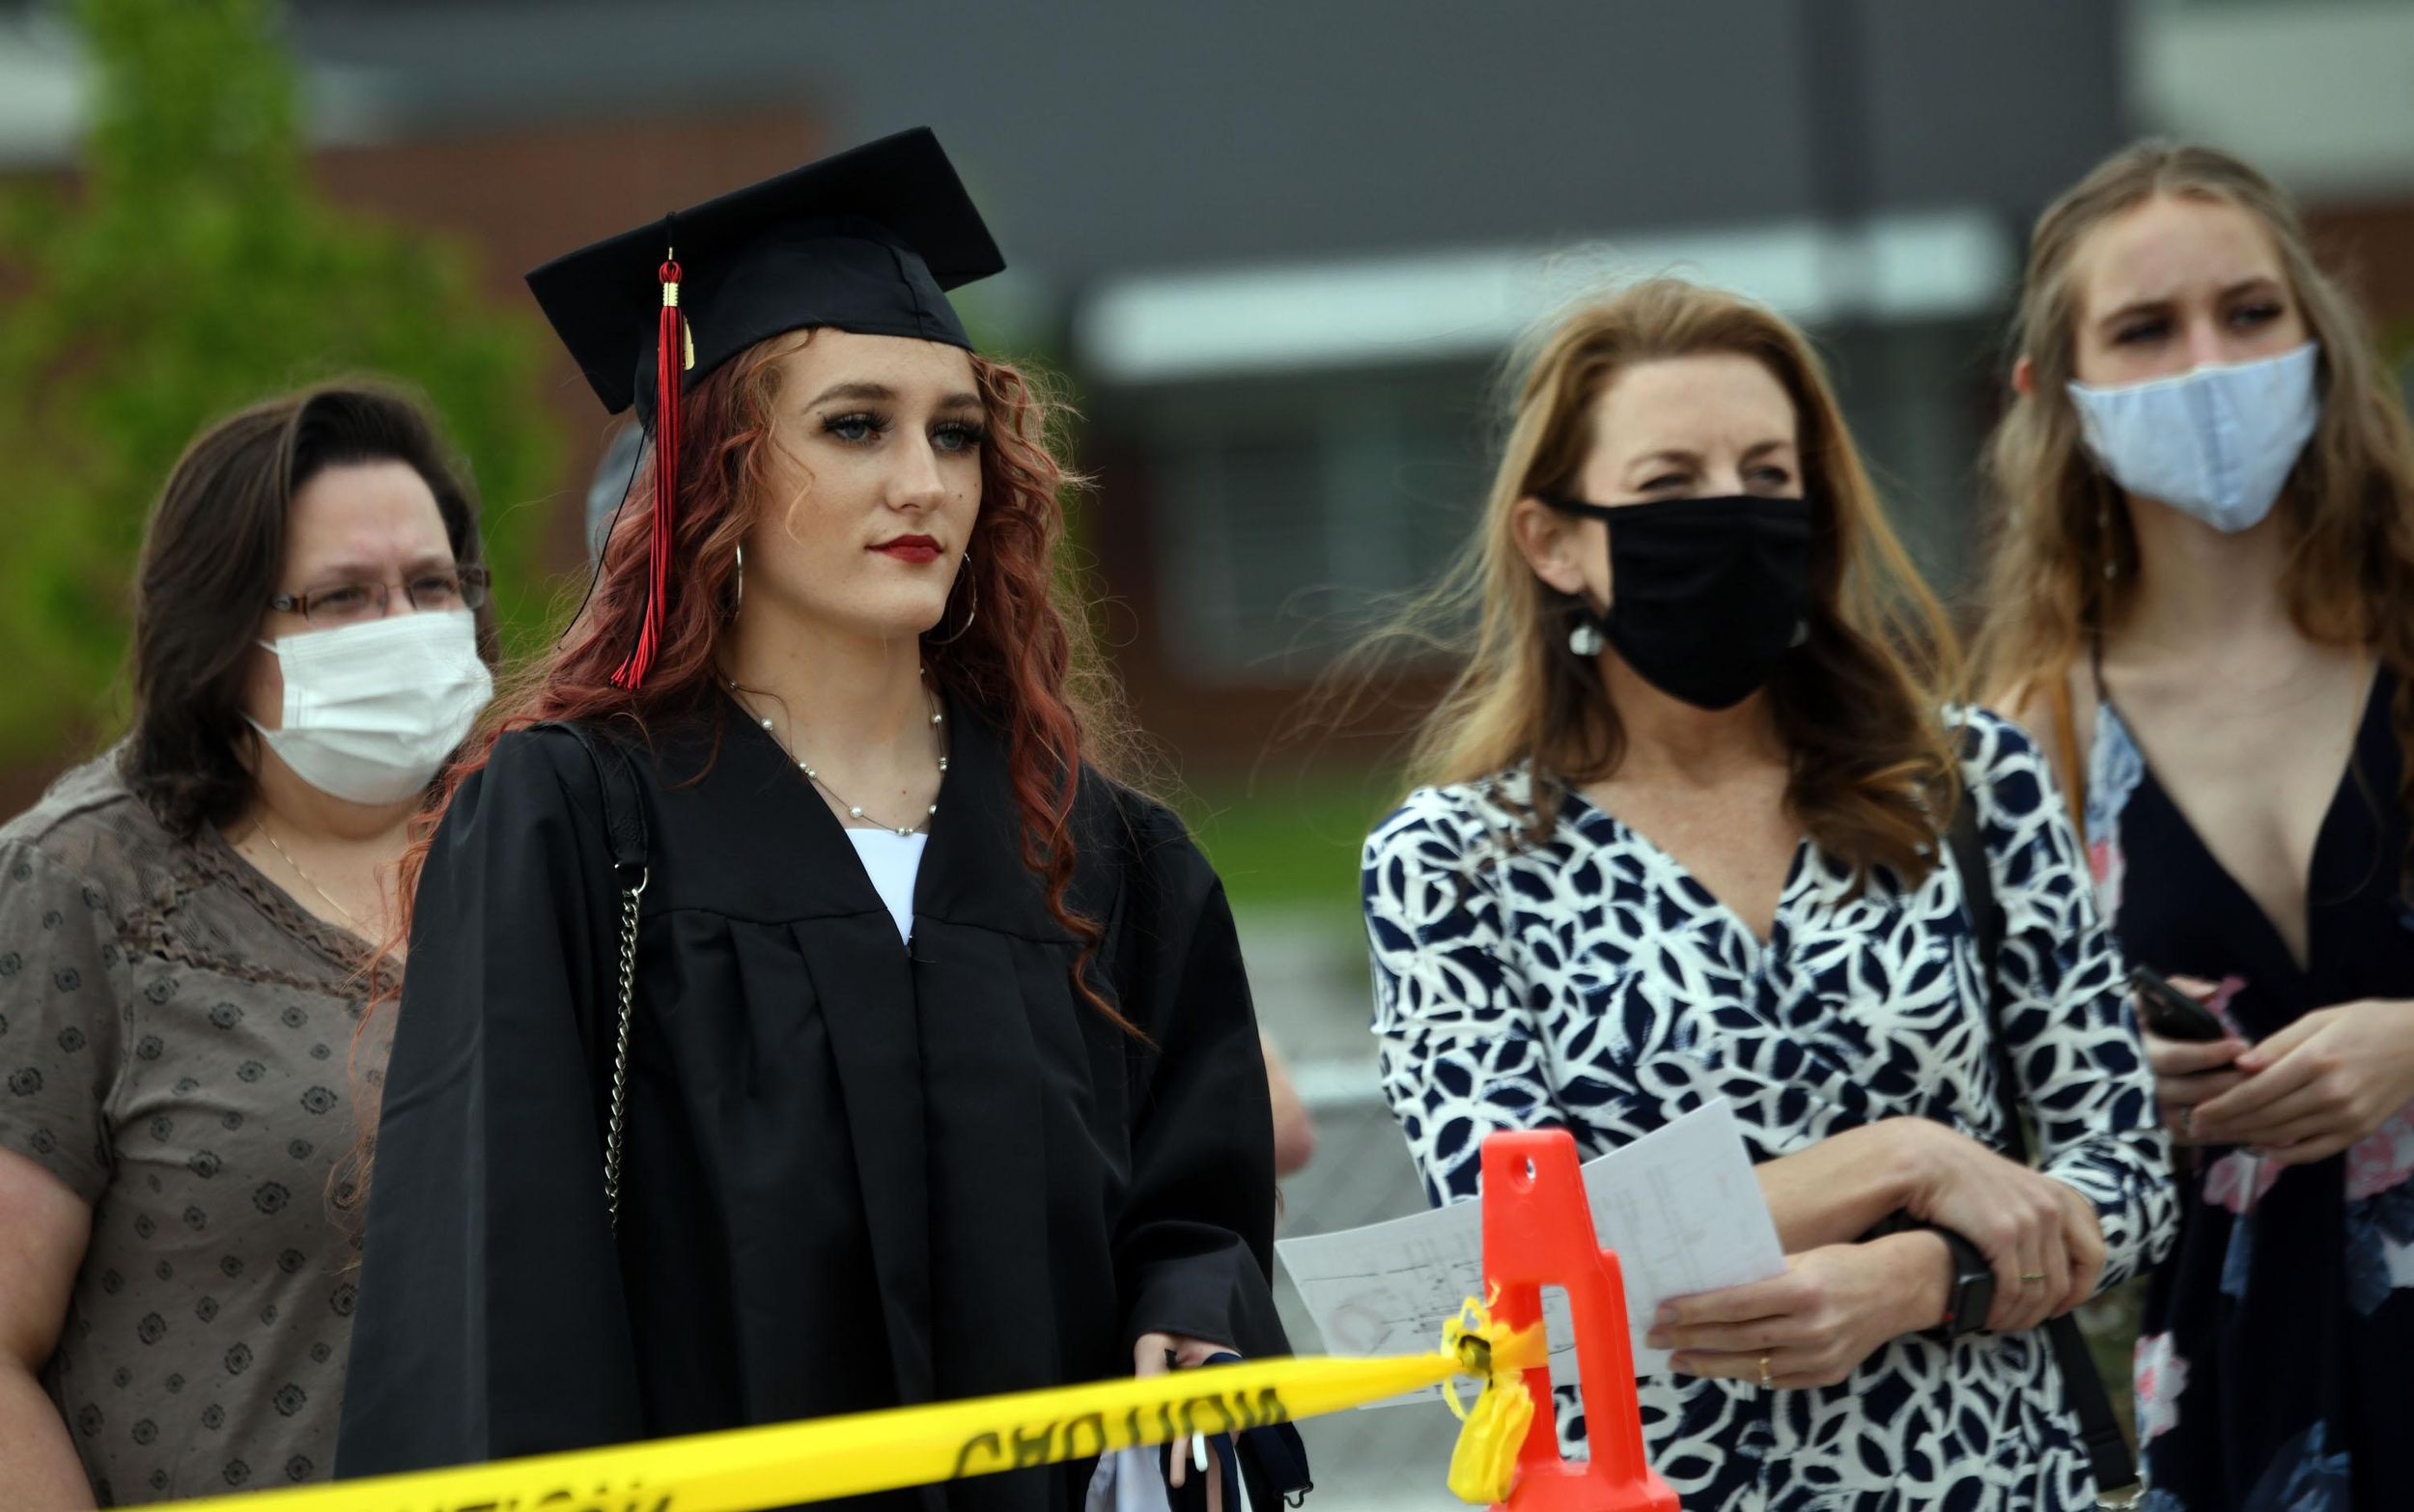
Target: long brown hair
x,y
210,560
1873,769
2064,557
1025,662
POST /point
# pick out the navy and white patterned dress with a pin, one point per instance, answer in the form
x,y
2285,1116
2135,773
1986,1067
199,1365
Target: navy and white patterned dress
x,y
1588,982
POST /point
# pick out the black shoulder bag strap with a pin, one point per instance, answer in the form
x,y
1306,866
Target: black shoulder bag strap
x,y
2108,1452
624,842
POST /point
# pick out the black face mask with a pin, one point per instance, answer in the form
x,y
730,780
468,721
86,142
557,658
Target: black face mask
x,y
1706,595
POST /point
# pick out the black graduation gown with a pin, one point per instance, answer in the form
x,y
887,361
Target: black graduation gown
x,y
857,1175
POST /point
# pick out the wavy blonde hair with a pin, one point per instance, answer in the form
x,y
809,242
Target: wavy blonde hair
x,y
1873,768
2064,555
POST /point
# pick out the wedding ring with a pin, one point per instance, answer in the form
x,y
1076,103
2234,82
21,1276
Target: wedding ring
x,y
2030,1277
1765,1377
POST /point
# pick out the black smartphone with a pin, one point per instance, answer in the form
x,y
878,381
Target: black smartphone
x,y
2169,1012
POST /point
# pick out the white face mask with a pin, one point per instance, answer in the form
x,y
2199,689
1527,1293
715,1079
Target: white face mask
x,y
2217,443
371,710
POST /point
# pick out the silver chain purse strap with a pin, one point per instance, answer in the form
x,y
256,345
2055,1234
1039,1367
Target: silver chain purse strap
x,y
624,846
620,1044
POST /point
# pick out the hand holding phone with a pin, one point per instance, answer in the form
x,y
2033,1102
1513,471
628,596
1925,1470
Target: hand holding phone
x,y
2172,1012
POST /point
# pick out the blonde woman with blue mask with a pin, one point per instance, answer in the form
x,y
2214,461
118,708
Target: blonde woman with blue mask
x,y
2201,600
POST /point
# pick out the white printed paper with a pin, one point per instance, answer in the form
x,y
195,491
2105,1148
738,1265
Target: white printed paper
x,y
1680,1206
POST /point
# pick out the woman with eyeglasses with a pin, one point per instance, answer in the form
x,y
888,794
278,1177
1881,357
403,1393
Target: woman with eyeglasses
x,y
185,927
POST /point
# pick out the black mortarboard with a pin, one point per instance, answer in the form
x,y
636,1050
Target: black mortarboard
x,y
868,241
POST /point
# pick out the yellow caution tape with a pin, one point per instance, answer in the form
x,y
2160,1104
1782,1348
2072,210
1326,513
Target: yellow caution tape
x,y
745,1469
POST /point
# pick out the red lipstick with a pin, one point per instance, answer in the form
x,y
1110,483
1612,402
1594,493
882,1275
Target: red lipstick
x,y
910,549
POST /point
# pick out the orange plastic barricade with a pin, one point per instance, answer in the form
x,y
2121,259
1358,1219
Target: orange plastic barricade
x,y
1537,1232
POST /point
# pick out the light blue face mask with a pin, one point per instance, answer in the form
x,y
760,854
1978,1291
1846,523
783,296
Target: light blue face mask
x,y
2217,443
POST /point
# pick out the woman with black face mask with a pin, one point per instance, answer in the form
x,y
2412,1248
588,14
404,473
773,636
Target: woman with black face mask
x,y
1682,835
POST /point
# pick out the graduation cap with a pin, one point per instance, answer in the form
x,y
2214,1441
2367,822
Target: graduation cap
x,y
868,241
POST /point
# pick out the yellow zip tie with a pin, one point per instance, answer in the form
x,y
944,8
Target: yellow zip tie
x,y
1483,1463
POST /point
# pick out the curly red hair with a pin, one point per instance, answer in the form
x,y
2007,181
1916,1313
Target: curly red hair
x,y
1025,662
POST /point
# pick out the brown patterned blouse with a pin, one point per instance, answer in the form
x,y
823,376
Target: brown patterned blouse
x,y
173,1036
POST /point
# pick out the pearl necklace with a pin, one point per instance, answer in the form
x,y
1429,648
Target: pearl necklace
x,y
854,810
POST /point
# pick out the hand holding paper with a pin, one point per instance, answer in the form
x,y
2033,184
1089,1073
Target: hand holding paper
x,y
1813,1326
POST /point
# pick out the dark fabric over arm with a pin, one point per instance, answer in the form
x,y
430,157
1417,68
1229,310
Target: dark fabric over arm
x,y
491,1321
1194,1254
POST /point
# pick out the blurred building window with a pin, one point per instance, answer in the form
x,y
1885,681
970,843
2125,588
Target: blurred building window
x,y
1281,516
1284,512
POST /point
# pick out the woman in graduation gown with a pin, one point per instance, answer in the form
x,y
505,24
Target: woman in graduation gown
x,y
942,1076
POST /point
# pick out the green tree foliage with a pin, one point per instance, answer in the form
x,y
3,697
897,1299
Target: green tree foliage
x,y
189,269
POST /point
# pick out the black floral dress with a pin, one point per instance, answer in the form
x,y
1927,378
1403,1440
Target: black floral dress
x,y
2276,1368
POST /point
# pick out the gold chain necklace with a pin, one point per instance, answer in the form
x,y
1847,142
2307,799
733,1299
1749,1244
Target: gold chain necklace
x,y
349,918
814,776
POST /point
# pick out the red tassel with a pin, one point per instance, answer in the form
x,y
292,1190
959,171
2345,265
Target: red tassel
x,y
670,363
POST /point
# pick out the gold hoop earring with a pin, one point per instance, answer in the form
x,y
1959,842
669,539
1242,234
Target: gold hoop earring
x,y
974,610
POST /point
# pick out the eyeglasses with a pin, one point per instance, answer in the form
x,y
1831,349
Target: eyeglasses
x,y
353,603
